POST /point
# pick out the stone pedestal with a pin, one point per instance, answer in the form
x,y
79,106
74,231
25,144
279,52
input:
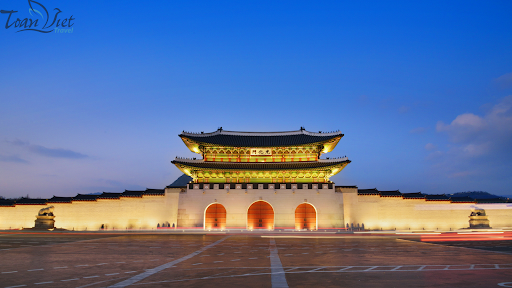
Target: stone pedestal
x,y
45,223
478,222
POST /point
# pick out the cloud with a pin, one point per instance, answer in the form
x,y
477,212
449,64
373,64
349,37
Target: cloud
x,y
504,81
430,147
482,142
474,150
13,158
56,152
464,127
419,130
403,109
480,135
48,152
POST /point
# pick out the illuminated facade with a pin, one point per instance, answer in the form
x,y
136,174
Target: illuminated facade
x,y
267,180
248,180
271,157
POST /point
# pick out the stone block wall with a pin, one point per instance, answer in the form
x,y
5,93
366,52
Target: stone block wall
x,y
389,213
328,204
119,214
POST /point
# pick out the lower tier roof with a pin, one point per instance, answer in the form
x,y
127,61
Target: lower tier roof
x,y
201,164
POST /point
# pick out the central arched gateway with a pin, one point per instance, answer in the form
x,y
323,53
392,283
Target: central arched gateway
x,y
215,217
260,216
305,217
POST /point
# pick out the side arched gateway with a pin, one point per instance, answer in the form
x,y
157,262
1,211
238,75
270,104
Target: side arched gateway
x,y
260,216
215,217
305,217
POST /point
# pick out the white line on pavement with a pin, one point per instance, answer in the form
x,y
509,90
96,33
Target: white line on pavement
x,y
278,278
148,273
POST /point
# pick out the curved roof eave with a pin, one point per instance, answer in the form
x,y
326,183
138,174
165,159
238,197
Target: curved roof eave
x,y
200,164
260,139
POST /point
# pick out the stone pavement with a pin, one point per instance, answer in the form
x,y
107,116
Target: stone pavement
x,y
210,260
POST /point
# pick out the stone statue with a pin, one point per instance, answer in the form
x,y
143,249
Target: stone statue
x,y
48,211
44,219
478,219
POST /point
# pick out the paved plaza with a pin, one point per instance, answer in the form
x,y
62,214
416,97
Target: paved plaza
x,y
230,260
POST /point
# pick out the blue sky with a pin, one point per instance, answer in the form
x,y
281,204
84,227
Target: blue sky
x,y
421,90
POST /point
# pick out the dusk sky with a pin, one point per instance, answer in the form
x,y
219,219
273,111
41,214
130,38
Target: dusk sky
x,y
421,90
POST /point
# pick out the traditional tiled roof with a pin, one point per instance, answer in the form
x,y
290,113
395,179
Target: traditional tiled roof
x,y
416,195
56,199
128,193
260,139
82,197
154,192
85,197
109,195
27,201
390,193
373,191
7,203
260,165
492,200
439,197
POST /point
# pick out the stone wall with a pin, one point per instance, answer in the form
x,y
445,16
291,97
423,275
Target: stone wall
x,y
329,205
120,214
389,213
335,208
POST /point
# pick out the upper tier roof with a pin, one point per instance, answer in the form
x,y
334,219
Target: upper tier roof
x,y
260,139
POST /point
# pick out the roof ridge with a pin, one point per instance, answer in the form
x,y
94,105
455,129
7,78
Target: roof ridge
x,y
220,131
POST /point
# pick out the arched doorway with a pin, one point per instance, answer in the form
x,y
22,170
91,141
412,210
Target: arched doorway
x,y
215,217
305,217
260,216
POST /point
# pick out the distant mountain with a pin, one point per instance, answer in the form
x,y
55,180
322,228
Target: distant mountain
x,y
476,195
95,193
